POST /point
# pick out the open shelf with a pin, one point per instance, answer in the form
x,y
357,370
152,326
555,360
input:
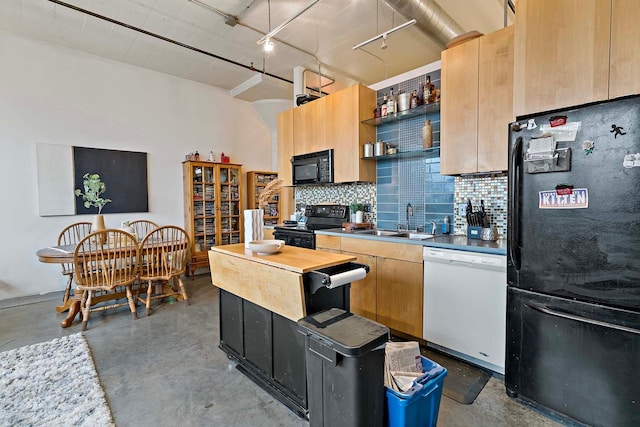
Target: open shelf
x,y
427,153
433,107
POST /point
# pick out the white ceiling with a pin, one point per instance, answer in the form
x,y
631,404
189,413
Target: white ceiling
x,y
326,32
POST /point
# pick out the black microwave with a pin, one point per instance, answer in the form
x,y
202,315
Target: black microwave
x,y
313,168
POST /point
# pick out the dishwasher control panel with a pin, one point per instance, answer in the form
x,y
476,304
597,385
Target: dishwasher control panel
x,y
498,262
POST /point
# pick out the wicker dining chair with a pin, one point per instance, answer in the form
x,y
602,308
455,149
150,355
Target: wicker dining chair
x,y
105,261
71,235
143,227
163,255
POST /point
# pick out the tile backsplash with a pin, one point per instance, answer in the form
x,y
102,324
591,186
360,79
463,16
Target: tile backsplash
x,y
341,194
493,190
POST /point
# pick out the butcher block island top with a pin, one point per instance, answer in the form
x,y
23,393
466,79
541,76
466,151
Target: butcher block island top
x,y
274,281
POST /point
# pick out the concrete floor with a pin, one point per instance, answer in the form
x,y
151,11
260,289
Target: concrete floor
x,y
166,369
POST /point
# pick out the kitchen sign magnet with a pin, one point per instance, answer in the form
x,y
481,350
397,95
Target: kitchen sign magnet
x,y
577,199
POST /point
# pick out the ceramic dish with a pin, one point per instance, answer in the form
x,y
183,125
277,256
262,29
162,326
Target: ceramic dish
x,y
266,247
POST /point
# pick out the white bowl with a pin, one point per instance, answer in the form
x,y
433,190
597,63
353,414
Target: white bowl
x,y
266,247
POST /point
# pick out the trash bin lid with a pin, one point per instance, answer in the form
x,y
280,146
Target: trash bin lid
x,y
347,333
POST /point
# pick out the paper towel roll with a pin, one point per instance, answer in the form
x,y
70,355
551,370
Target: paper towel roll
x,y
349,276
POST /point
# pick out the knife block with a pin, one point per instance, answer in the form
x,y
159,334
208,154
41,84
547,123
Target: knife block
x,y
474,232
480,233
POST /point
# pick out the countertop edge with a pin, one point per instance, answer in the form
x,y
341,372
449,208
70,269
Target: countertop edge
x,y
427,242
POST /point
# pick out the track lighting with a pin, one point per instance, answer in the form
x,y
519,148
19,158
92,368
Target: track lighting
x,y
268,45
384,35
272,33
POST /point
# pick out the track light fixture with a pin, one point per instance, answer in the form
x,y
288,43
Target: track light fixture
x,y
276,30
268,45
384,35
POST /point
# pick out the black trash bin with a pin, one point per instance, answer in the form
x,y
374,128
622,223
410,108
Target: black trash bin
x,y
345,369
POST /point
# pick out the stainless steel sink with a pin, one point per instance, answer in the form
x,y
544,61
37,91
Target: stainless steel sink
x,y
421,236
415,235
387,233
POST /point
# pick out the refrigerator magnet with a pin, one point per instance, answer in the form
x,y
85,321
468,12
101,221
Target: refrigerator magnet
x,y
577,199
564,189
588,147
631,160
616,130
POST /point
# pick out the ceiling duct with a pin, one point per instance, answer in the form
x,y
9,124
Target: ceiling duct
x,y
430,18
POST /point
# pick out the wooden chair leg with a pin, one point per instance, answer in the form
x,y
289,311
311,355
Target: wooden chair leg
x,y
148,301
183,291
86,307
132,304
67,290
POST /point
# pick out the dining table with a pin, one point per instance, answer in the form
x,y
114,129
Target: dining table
x,y
60,255
64,254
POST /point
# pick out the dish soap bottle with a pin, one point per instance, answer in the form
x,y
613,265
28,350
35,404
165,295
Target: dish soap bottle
x,y
427,135
445,226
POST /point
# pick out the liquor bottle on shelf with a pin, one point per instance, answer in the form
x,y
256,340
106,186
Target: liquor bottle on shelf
x,y
384,110
391,103
426,91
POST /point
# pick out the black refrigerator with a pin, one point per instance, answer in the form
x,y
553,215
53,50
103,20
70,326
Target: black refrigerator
x,y
573,295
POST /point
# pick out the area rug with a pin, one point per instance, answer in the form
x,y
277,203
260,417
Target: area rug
x,y
463,382
52,383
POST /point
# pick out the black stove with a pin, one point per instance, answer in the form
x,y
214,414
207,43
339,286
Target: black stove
x,y
318,217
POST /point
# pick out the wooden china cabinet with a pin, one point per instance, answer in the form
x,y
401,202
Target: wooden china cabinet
x,y
212,207
256,182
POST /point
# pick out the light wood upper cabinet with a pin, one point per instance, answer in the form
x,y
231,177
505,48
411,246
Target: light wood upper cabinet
x,y
625,48
310,127
495,98
333,121
347,135
562,52
477,104
285,146
459,109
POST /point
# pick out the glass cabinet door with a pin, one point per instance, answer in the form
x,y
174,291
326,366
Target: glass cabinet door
x,y
204,212
230,215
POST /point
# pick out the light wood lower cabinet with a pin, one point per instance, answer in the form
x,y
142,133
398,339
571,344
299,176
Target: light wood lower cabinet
x,y
327,242
363,295
400,295
391,294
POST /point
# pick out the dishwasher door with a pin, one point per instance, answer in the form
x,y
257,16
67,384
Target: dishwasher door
x,y
465,300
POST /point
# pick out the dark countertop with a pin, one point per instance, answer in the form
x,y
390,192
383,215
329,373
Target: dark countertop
x,y
445,241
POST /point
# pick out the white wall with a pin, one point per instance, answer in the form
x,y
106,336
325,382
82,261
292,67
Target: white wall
x,y
55,95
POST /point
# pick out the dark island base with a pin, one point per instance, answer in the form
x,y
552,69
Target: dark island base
x,y
269,348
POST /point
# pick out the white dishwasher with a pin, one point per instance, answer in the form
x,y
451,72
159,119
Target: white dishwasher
x,y
465,300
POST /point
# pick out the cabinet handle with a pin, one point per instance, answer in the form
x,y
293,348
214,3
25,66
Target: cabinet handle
x,y
551,312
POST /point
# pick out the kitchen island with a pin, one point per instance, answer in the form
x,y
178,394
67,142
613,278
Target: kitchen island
x,y
261,299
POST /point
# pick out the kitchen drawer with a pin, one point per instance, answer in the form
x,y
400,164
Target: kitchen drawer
x,y
411,253
327,242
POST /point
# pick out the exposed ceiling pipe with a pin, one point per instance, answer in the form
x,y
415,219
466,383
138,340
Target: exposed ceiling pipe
x,y
168,40
431,19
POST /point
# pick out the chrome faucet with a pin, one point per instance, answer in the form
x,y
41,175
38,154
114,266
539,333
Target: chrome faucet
x,y
409,213
433,227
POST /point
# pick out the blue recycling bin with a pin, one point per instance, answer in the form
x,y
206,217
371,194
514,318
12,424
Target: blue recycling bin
x,y
418,406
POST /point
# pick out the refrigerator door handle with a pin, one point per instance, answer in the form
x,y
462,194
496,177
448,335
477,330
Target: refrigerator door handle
x,y
514,202
551,312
